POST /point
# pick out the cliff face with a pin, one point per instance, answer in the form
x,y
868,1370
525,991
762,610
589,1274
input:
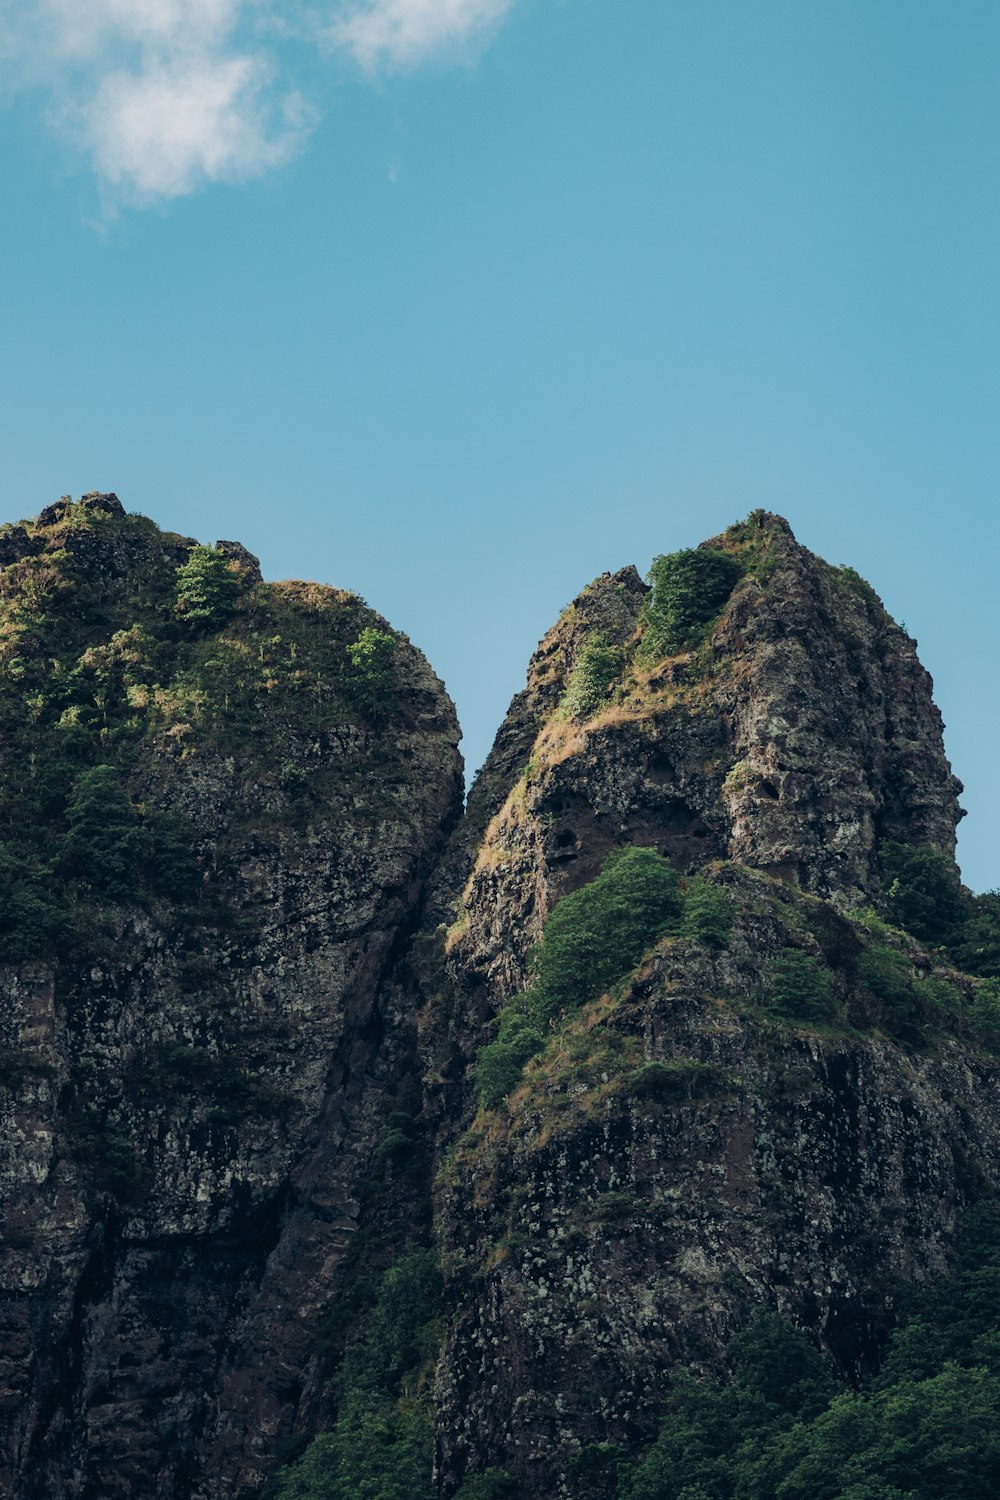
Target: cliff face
x,y
196,1071
252,959
680,1149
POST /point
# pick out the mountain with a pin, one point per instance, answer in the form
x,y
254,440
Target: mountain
x,y
335,1115
218,813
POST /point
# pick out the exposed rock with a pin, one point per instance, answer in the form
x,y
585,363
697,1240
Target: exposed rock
x,y
14,544
597,1234
239,554
109,504
202,1051
55,512
672,1161
193,1093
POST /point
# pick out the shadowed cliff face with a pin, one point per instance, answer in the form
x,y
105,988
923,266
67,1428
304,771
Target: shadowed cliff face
x,y
196,1073
677,1151
232,874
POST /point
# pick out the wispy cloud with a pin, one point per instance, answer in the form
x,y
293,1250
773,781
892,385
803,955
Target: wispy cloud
x,y
165,96
403,33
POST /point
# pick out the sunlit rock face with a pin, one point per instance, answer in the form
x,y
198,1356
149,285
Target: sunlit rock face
x,y
674,1155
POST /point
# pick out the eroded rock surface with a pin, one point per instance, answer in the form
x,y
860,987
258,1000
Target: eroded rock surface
x,y
193,1090
233,874
675,1154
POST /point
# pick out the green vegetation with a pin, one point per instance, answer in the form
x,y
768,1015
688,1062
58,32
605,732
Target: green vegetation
x,y
780,1429
688,590
985,1016
907,1001
708,917
105,843
594,937
372,669
207,586
922,892
680,1078
597,666
380,1447
109,648
492,1484
802,987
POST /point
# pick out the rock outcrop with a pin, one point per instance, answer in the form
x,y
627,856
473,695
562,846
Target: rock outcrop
x,y
196,1079
676,1153
251,953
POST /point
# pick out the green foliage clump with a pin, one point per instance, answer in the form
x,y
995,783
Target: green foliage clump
x,y
922,892
492,1484
597,666
30,914
802,987
702,1451
116,852
688,590
975,946
984,1018
594,937
598,934
707,915
908,1003
106,844
888,975
207,589
926,1428
372,660
381,1446
380,1454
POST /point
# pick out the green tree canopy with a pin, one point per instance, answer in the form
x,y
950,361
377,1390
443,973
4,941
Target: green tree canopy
x,y
688,590
207,588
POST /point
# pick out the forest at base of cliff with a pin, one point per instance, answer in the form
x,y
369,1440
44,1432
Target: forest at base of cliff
x,y
780,1426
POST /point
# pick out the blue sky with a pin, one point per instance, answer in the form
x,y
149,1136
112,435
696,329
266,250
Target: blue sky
x,y
458,303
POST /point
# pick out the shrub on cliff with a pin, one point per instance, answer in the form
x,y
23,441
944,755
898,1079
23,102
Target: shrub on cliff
x,y
976,945
118,853
922,892
708,917
207,587
596,667
371,673
594,937
802,988
381,1446
29,911
492,1484
778,1378
688,590
105,844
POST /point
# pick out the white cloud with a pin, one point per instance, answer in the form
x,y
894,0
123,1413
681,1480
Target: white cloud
x,y
165,96
159,133
402,33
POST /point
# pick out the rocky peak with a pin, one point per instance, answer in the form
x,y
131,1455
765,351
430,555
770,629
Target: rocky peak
x,y
794,732
634,1171
217,828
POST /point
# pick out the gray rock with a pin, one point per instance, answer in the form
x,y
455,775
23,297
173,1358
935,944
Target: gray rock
x,y
238,553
